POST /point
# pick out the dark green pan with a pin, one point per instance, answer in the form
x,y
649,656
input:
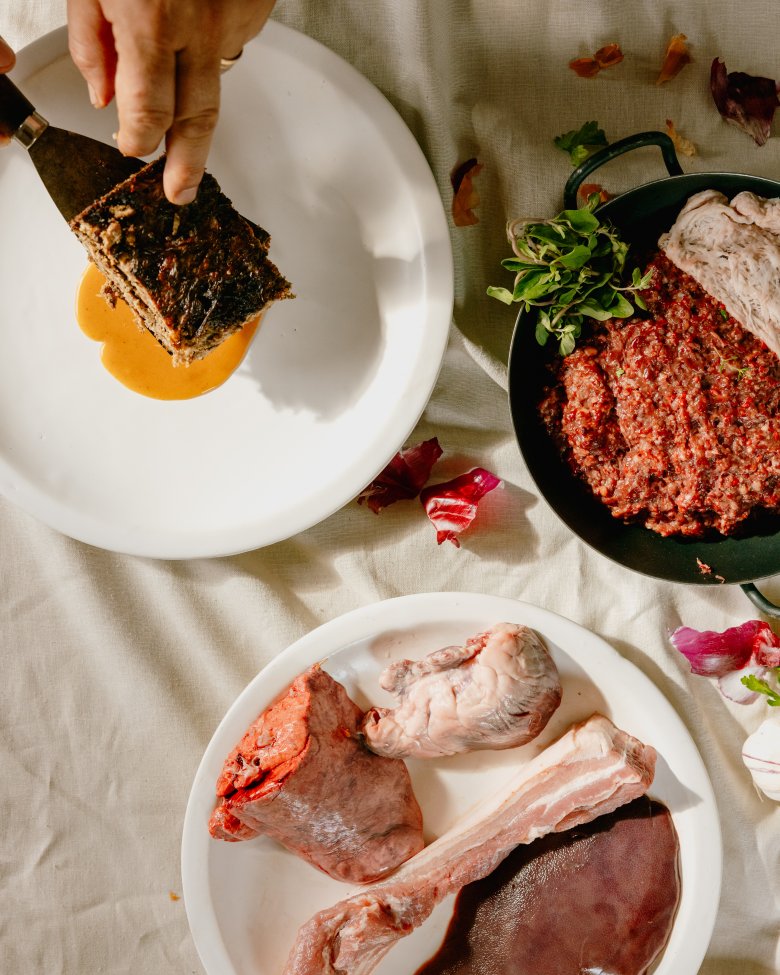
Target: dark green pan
x,y
641,215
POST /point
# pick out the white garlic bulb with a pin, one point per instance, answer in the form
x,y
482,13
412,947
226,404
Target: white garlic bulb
x,y
761,755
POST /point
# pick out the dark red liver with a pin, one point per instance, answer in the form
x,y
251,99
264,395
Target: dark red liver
x,y
598,898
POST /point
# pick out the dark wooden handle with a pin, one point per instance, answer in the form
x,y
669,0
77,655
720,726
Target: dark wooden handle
x,y
14,107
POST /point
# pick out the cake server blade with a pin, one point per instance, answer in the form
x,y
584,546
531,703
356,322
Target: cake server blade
x,y
75,169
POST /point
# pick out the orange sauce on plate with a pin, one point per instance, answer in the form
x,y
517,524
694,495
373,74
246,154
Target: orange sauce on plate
x,y
134,357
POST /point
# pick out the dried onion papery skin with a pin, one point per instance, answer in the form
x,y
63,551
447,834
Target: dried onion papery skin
x,y
747,101
585,67
676,57
608,56
465,198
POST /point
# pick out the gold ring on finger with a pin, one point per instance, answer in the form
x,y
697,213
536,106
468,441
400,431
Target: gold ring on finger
x,y
225,64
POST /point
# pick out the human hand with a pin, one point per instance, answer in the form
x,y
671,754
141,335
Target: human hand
x,y
7,61
7,57
162,62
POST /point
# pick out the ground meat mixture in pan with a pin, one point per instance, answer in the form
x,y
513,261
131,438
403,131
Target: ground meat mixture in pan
x,y
672,419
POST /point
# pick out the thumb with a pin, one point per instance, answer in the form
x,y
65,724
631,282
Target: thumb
x,y
7,57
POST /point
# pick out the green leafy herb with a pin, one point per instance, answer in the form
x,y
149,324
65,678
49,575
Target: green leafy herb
x,y
570,268
733,365
724,314
581,143
754,683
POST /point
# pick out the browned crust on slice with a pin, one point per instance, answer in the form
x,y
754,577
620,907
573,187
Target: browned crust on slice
x,y
193,275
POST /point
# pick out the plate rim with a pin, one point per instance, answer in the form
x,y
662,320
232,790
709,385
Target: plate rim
x,y
359,624
436,261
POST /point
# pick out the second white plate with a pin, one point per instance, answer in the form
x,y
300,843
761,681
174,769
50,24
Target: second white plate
x,y
245,901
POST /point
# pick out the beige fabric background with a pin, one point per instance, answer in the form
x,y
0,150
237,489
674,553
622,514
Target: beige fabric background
x,y
116,670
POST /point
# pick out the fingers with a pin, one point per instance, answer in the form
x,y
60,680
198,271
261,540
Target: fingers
x,y
189,138
161,61
7,61
197,98
7,57
91,43
145,92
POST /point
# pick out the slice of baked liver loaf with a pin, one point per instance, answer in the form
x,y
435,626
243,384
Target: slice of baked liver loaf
x,y
193,275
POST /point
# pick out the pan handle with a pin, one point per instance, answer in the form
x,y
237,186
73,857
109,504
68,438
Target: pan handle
x,y
760,601
638,141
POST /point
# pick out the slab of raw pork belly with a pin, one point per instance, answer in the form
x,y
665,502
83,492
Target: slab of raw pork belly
x,y
302,775
497,691
733,251
591,770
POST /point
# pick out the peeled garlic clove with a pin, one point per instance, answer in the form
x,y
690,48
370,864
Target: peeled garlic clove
x,y
761,755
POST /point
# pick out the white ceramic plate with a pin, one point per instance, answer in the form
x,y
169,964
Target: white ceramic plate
x,y
245,901
335,380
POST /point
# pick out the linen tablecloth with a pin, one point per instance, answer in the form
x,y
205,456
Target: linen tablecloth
x,y
116,669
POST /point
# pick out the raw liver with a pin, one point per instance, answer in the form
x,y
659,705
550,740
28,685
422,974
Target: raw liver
x,y
597,898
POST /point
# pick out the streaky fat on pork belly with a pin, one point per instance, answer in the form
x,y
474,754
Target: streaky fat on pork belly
x,y
499,690
593,769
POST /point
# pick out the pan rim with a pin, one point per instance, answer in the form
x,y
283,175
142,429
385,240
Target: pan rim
x,y
519,411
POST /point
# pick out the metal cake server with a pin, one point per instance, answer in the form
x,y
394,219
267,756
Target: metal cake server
x,y
75,169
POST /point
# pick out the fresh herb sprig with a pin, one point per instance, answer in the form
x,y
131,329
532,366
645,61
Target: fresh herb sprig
x,y
754,683
570,268
581,143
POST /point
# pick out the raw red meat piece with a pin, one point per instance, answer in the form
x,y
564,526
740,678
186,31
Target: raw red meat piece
x,y
302,775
